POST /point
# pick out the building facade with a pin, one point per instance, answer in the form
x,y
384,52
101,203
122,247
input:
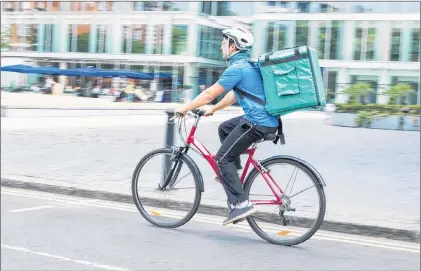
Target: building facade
x,y
377,43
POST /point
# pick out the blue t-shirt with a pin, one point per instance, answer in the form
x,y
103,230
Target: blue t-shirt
x,y
247,77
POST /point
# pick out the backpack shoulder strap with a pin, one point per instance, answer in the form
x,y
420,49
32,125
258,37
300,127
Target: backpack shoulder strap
x,y
243,94
280,133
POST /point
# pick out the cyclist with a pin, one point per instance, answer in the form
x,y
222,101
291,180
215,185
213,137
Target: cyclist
x,y
244,82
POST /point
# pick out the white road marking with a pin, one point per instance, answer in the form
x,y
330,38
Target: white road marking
x,y
101,266
320,235
31,209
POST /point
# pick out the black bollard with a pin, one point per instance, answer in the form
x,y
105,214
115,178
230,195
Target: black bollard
x,y
169,141
3,111
170,128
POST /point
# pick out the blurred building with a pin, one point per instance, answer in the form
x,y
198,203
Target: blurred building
x,y
374,42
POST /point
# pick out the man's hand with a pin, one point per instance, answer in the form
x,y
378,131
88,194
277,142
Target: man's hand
x,y
181,110
209,112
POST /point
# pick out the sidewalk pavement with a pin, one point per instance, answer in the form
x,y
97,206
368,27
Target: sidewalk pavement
x,y
28,100
367,191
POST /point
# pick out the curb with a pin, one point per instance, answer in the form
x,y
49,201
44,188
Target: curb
x,y
340,227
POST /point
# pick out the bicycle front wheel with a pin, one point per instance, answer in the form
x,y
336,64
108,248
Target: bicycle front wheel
x,y
163,201
303,205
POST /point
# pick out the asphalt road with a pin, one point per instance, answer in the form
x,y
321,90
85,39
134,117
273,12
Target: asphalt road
x,y
43,231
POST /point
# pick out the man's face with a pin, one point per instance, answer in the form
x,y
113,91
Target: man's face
x,y
225,48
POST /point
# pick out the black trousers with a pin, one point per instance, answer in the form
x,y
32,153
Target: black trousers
x,y
236,135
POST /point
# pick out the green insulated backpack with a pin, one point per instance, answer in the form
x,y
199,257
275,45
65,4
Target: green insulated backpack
x,y
292,80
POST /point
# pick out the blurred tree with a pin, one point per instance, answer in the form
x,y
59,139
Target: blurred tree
x,y
358,92
398,93
6,33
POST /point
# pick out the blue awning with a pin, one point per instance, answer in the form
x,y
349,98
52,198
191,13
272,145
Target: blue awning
x,y
160,75
16,68
87,71
46,70
124,73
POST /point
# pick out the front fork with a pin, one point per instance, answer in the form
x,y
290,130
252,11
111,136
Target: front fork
x,y
173,173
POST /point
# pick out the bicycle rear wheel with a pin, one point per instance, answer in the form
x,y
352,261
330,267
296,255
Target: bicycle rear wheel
x,y
166,202
304,202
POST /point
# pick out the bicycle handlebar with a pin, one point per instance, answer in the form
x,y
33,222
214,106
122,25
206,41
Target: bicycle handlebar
x,y
193,113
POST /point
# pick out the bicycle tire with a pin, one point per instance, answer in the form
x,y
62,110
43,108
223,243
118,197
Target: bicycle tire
x,y
138,203
322,201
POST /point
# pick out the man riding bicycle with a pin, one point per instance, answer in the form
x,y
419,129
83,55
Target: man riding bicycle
x,y
243,81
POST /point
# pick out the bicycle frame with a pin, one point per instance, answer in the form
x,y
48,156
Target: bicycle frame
x,y
210,158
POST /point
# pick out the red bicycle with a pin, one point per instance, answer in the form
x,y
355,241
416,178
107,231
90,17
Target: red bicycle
x,y
281,218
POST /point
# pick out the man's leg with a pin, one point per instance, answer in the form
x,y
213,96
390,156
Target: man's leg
x,y
234,144
225,129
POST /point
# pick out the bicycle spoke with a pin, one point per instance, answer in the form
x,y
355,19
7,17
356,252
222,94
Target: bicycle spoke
x,y
179,180
295,178
180,188
301,191
286,188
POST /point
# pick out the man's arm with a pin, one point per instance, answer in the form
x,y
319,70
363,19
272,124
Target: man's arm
x,y
207,96
228,100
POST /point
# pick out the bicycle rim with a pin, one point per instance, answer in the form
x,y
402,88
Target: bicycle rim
x,y
306,196
178,202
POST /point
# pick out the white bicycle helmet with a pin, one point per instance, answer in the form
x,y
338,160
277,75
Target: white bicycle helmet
x,y
242,37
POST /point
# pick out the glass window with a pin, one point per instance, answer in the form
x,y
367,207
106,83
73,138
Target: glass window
x,y
301,33
395,48
9,6
210,43
175,6
158,39
77,6
151,6
125,38
82,38
227,8
357,43
234,8
79,38
335,40
39,5
24,37
101,38
206,8
48,38
364,43
385,7
415,45
322,40
179,40
371,38
6,36
138,37
413,7
276,36
303,7
286,6
327,7
55,6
